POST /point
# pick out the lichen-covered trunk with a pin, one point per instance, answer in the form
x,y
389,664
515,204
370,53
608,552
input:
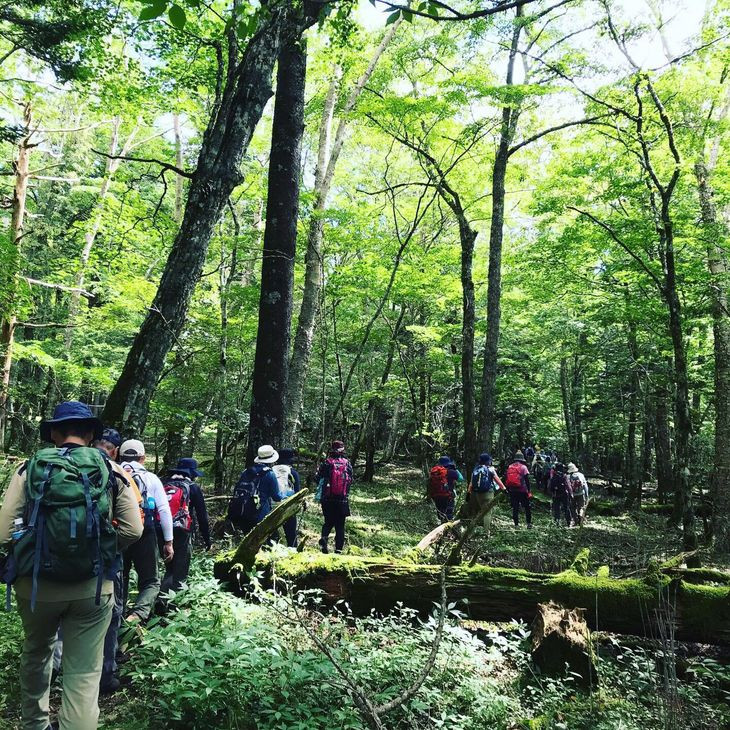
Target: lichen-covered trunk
x,y
663,445
11,262
271,361
715,233
633,467
247,89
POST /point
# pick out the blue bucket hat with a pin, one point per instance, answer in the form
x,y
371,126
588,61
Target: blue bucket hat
x,y
187,466
112,436
71,410
445,461
485,458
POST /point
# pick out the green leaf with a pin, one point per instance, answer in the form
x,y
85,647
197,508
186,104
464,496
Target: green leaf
x,y
393,17
154,10
408,15
177,16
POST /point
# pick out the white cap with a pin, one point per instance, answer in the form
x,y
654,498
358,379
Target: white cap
x,y
266,455
131,447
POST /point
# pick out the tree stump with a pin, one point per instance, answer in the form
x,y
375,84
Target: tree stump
x,y
560,637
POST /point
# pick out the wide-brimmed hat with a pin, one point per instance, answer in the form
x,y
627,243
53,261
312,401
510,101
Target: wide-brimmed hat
x,y
131,447
112,436
337,447
445,460
519,456
572,468
286,456
71,410
485,458
187,466
266,455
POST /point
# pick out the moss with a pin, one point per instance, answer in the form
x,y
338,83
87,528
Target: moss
x,y
580,563
706,608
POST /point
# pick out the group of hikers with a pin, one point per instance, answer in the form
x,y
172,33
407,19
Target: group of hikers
x,y
79,515
566,484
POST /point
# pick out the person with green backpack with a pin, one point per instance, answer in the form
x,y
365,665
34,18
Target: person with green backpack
x,y
65,517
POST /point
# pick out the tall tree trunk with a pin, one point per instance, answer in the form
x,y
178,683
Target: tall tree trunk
x,y
247,89
324,173
179,162
510,115
663,445
715,233
633,467
271,361
567,405
471,449
10,266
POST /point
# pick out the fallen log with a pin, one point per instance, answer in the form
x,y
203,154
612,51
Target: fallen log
x,y
245,554
435,534
626,606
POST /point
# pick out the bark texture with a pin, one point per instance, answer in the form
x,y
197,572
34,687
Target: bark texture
x,y
271,361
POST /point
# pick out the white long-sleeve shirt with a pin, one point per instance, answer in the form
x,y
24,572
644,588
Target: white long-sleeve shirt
x,y
153,486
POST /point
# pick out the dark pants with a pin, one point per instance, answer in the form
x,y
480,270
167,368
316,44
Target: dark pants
x,y
176,571
143,556
561,503
290,530
518,499
109,666
444,508
578,505
335,514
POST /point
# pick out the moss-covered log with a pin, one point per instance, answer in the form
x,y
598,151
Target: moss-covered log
x,y
248,548
627,606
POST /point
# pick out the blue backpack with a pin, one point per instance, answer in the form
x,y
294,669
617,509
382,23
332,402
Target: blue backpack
x,y
482,479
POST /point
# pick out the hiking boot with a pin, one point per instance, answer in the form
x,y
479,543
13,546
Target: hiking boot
x,y
323,546
110,686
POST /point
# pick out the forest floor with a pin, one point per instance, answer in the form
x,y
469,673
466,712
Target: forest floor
x,y
222,662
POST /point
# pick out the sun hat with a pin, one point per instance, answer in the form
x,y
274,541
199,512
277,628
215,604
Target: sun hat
x,y
519,456
112,436
445,461
71,410
131,447
572,468
187,466
266,455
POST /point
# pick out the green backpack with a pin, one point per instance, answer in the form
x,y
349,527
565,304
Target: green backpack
x,y
69,503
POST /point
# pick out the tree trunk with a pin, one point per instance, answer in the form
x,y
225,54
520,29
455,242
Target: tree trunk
x,y
247,89
10,266
663,446
633,468
510,115
715,233
179,162
629,606
324,173
271,361
567,407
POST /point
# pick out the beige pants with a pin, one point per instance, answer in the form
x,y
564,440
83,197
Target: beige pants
x,y
484,498
84,626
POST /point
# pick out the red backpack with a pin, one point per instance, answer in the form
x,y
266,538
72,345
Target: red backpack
x,y
340,480
514,478
438,482
178,495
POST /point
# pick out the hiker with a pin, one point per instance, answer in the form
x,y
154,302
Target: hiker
x,y
109,443
560,491
529,454
184,498
517,481
541,472
579,492
75,591
289,484
485,483
256,488
441,489
143,554
334,479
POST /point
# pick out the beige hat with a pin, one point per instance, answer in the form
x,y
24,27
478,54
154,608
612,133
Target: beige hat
x,y
572,468
131,447
266,455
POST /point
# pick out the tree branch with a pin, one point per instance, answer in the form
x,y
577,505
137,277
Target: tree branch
x,y
163,165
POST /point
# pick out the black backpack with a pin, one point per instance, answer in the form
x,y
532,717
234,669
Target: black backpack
x,y
246,501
